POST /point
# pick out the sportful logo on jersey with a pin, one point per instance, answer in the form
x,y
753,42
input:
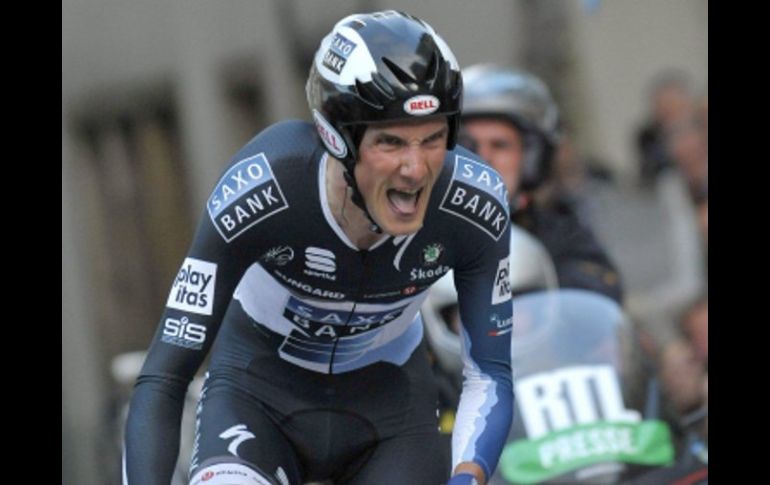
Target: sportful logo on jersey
x,y
320,262
421,105
478,195
247,194
501,290
183,333
338,53
193,288
331,137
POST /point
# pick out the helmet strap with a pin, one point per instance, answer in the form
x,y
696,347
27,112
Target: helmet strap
x,y
358,198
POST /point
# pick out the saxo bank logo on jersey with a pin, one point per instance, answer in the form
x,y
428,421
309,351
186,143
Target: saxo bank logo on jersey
x,y
478,195
247,194
193,288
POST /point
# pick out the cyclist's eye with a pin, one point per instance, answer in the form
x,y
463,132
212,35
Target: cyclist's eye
x,y
434,140
389,141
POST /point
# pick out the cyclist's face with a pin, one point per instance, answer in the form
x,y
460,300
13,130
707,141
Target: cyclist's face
x,y
500,144
397,167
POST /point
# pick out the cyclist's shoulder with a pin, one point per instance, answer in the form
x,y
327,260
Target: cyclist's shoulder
x,y
470,192
266,177
281,144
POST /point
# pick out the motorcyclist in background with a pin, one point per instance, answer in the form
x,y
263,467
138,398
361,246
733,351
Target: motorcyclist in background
x,y
511,120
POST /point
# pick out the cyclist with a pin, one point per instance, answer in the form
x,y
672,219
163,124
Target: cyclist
x,y
309,265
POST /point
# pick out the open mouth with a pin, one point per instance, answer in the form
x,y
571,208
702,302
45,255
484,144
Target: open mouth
x,y
404,202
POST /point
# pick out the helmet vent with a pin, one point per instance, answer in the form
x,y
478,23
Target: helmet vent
x,y
383,86
431,72
368,94
404,77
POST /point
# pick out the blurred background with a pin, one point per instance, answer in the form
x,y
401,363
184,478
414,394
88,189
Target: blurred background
x,y
157,96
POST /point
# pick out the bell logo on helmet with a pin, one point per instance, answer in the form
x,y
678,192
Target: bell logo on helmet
x,y
331,138
421,105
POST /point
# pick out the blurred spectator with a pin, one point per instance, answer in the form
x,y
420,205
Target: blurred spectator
x,y
576,178
671,100
703,219
682,375
679,129
695,326
683,361
687,144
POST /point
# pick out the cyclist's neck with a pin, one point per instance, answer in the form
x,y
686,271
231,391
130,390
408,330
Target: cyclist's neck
x,y
351,219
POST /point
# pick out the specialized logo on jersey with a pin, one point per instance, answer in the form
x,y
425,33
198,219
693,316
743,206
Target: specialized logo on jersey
x,y
339,51
238,433
501,290
193,288
247,194
278,255
478,195
183,333
320,262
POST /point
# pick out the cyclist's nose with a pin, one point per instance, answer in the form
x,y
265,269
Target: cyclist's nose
x,y
414,164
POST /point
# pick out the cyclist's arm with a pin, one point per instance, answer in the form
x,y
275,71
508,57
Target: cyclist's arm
x,y
198,298
486,405
228,240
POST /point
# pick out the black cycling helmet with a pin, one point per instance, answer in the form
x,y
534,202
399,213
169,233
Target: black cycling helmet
x,y
524,100
379,67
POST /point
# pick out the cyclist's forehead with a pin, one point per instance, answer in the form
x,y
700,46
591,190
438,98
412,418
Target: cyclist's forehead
x,y
409,128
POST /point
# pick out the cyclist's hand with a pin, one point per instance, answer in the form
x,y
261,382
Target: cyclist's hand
x,y
463,479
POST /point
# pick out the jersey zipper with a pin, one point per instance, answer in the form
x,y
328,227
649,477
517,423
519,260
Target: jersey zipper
x,y
357,296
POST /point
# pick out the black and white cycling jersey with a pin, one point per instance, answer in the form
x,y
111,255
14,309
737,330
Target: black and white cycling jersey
x,y
269,258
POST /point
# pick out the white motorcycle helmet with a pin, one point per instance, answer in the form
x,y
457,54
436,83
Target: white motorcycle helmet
x,y
531,268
